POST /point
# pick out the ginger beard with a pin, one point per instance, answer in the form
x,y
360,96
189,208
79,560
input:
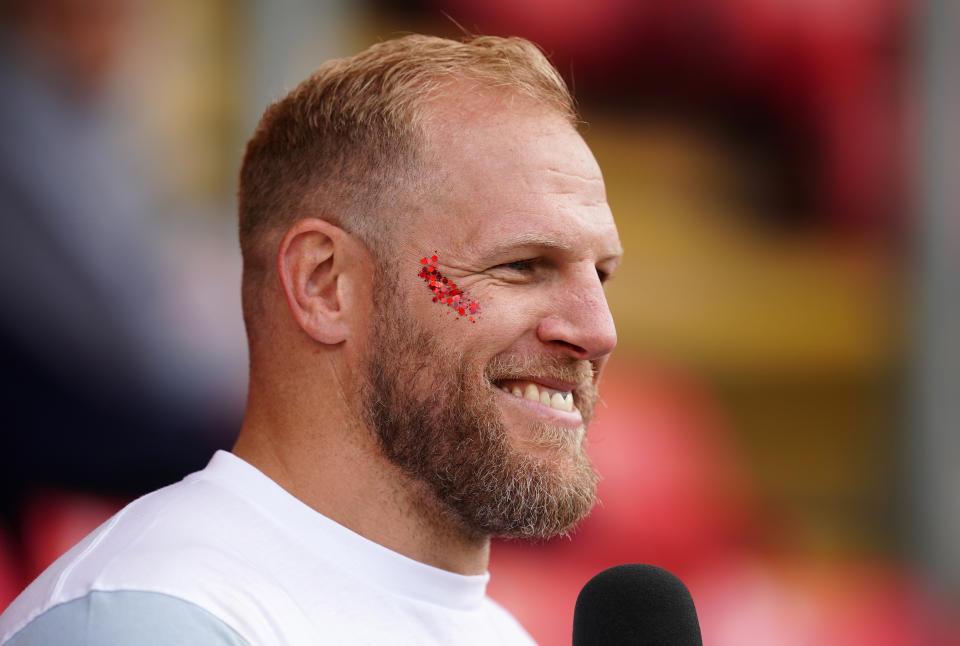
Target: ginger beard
x,y
435,415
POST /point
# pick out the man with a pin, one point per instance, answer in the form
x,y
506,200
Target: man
x,y
425,241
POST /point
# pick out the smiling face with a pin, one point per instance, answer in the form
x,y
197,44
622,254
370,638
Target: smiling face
x,y
492,414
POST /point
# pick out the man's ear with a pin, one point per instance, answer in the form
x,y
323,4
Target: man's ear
x,y
311,262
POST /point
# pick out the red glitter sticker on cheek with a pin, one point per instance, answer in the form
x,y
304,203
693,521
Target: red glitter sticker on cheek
x,y
445,292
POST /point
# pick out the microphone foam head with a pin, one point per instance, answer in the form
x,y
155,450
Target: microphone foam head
x,y
638,605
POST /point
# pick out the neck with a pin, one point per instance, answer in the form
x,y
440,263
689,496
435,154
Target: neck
x,y
331,462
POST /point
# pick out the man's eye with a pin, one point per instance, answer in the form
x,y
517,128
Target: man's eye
x,y
519,265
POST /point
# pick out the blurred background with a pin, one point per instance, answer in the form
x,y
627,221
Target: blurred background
x,y
781,423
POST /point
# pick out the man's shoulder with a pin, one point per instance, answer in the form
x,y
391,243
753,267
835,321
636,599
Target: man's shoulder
x,y
188,541
161,536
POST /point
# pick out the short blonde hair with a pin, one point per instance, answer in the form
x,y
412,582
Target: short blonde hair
x,y
347,142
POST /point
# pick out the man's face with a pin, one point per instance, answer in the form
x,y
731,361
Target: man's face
x,y
492,414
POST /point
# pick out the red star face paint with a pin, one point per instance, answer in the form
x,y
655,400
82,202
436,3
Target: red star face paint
x,y
445,292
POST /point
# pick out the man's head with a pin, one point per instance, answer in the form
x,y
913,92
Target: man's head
x,y
349,144
468,151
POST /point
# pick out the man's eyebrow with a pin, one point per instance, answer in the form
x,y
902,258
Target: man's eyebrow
x,y
528,240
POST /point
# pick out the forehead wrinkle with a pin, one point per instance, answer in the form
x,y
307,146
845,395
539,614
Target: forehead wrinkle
x,y
576,176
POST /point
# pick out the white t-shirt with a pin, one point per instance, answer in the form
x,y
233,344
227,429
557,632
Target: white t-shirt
x,y
227,556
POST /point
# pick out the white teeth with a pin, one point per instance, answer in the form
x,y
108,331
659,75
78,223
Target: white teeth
x,y
560,400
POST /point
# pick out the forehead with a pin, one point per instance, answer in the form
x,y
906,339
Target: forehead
x,y
512,173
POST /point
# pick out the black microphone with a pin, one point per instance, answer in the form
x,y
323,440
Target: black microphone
x,y
638,605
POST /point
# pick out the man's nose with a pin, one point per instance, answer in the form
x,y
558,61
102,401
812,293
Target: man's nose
x,y
580,320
